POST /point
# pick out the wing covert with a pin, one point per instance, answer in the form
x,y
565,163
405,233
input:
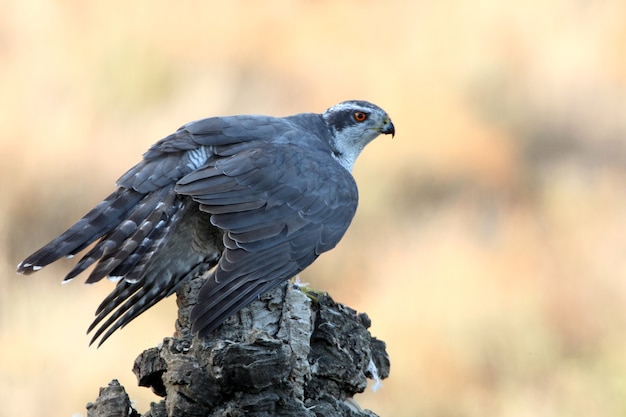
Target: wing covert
x,y
272,201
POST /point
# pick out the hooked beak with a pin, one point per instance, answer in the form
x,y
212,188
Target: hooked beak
x,y
388,128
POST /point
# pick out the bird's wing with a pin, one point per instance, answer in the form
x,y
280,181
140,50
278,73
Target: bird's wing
x,y
132,213
281,205
144,195
137,226
174,249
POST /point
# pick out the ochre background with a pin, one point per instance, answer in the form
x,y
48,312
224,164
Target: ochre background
x,y
489,248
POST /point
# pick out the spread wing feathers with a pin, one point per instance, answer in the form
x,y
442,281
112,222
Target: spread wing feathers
x,y
128,242
169,256
164,163
280,207
99,221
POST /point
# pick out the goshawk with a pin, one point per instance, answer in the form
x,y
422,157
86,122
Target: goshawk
x,y
257,197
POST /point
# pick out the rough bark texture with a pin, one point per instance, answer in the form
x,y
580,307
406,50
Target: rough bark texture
x,y
287,354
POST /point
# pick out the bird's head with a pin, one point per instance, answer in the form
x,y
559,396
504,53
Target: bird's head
x,y
354,124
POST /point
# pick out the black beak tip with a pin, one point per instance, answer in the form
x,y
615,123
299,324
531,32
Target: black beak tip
x,y
389,129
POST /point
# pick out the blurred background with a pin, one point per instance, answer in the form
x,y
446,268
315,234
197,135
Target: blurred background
x,y
489,246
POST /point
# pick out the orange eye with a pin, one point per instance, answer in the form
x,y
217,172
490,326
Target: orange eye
x,y
359,116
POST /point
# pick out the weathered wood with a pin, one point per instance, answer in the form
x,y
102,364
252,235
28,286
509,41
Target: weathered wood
x,y
287,354
112,401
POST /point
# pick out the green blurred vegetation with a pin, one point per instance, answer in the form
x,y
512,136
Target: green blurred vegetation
x,y
489,244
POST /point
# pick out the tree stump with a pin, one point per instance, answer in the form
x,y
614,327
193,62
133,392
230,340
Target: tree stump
x,y
287,354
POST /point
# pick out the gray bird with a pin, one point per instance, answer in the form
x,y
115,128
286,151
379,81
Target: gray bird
x,y
257,197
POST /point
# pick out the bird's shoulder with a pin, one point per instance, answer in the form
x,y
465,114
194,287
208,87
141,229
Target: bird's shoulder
x,y
216,131
198,142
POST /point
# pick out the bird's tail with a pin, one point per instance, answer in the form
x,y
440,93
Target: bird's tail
x,y
103,218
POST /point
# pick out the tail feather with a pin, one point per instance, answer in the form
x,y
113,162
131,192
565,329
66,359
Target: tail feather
x,y
157,269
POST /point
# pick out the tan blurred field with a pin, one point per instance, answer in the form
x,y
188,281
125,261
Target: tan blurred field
x,y
489,248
